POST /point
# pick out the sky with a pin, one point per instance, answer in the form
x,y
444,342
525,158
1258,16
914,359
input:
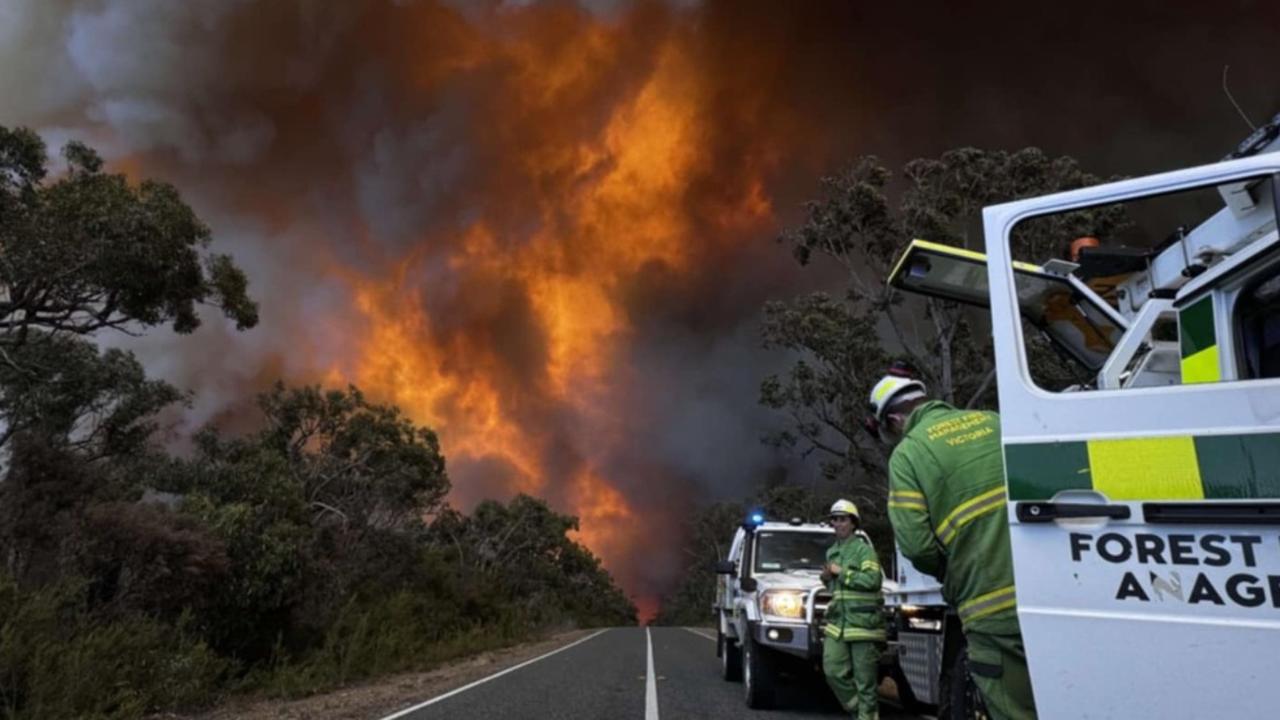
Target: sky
x,y
546,229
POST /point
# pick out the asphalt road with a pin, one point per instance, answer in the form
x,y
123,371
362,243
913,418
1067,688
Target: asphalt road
x,y
625,674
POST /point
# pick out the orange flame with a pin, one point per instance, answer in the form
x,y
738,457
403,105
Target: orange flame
x,y
613,205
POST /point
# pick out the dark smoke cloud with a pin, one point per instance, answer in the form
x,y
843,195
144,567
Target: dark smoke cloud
x,y
316,136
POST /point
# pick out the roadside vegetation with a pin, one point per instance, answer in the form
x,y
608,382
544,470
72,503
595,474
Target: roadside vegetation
x,y
316,550
842,340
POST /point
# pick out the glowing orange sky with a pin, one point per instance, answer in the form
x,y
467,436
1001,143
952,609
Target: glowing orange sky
x,y
612,203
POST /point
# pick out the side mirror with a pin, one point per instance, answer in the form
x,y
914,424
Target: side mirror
x,y
726,567
747,584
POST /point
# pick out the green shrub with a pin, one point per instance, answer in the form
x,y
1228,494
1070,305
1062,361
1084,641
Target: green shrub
x,y
57,660
396,633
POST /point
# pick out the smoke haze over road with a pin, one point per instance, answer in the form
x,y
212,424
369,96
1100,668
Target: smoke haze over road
x,y
545,229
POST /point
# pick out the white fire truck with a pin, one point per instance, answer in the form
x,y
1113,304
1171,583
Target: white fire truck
x,y
1144,499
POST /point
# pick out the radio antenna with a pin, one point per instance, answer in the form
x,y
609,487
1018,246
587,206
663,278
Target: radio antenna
x,y
1235,104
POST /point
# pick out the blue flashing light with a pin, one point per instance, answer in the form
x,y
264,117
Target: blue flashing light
x,y
757,518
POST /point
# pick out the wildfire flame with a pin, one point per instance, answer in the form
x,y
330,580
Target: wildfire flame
x,y
611,205
483,203
478,199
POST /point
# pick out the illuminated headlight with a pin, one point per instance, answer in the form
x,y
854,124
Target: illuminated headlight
x,y
919,623
784,603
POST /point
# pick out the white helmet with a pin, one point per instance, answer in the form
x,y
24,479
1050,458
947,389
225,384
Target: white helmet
x,y
845,507
895,387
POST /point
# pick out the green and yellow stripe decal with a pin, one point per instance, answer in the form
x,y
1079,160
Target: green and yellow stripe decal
x,y
1182,467
1199,343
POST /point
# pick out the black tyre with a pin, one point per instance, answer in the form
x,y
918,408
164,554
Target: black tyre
x,y
906,695
730,657
757,675
960,697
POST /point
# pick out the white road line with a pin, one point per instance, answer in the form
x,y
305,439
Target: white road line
x,y
650,683
481,681
701,634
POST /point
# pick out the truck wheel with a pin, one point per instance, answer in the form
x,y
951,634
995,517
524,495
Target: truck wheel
x,y
906,694
730,657
961,697
757,676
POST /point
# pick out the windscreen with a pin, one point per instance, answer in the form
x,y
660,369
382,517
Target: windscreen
x,y
777,551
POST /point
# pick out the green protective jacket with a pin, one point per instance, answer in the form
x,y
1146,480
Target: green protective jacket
x,y
855,612
948,509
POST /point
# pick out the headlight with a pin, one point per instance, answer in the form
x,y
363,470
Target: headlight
x,y
784,603
919,623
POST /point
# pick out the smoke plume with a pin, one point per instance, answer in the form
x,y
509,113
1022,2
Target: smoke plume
x,y
544,229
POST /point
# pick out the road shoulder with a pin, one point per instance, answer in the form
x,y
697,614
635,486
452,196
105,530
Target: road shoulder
x,y
382,697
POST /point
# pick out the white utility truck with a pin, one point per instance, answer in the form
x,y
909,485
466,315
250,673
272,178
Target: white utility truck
x,y
1144,499
769,603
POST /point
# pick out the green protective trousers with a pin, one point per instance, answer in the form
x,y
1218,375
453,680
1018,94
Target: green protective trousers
x,y
850,668
998,664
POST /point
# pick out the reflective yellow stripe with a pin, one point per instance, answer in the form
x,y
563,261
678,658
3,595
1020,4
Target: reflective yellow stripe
x,y
853,633
987,604
870,565
1141,468
907,500
968,511
855,595
952,251
1203,367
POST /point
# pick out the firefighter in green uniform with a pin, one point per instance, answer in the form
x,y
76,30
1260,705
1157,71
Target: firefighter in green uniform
x,y
854,621
948,510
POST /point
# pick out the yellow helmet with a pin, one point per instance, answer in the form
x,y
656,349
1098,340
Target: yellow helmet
x,y
845,507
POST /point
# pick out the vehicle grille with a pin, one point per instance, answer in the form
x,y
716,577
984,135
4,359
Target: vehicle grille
x,y
921,661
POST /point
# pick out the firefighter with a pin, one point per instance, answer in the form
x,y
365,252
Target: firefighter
x,y
948,510
854,621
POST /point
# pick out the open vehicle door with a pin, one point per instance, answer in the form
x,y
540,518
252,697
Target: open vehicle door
x,y
1068,312
1145,521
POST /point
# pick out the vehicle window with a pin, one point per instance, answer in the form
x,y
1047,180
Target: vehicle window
x,y
1258,320
1126,265
1076,326
791,550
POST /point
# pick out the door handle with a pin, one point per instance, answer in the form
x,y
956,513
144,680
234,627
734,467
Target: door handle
x,y
1043,512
